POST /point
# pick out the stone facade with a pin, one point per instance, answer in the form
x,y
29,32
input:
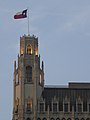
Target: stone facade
x,y
32,100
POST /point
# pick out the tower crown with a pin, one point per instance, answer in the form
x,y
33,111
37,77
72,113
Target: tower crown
x,y
28,45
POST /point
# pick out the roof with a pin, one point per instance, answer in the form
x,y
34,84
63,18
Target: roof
x,y
73,94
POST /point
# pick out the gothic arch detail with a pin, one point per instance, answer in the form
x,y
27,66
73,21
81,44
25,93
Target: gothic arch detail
x,y
29,49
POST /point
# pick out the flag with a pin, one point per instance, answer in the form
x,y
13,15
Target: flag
x,y
22,14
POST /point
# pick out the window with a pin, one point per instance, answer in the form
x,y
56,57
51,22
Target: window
x,y
54,107
57,118
29,50
28,119
52,119
63,119
84,106
69,119
76,118
38,119
44,119
60,106
82,119
41,107
79,107
29,106
29,73
88,119
66,107
89,107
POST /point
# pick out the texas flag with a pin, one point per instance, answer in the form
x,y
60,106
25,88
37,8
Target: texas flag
x,y
22,14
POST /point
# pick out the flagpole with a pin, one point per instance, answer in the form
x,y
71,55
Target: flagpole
x,y
28,21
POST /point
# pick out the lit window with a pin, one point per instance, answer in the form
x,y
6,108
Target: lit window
x,y
29,106
29,50
36,51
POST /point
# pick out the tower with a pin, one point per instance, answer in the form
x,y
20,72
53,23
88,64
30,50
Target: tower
x,y
28,79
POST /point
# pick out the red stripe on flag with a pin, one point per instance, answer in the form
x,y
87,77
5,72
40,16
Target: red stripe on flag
x,y
20,15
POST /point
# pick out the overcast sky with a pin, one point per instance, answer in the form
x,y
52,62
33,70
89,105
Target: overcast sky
x,y
63,30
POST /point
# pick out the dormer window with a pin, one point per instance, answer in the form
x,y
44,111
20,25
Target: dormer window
x,y
29,50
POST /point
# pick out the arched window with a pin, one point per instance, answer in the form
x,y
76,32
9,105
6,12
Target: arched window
x,y
38,119
44,119
63,119
29,73
76,118
29,106
82,119
52,119
69,119
28,119
57,118
29,50
88,119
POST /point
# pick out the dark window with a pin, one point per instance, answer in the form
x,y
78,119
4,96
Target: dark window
x,y
66,107
84,106
54,107
41,107
82,119
69,119
38,119
76,118
63,119
88,119
44,119
29,73
51,118
75,106
60,106
79,107
28,119
57,118
89,107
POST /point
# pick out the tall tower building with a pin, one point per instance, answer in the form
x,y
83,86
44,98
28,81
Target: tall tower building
x,y
28,79
35,101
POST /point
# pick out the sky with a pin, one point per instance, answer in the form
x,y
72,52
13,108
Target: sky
x,y
63,31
